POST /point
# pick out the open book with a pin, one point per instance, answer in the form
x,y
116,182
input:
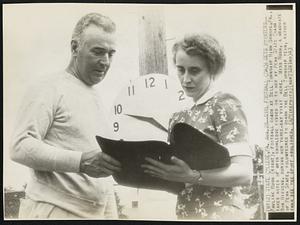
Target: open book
x,y
194,147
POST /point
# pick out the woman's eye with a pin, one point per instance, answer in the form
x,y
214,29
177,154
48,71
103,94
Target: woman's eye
x,y
195,71
180,70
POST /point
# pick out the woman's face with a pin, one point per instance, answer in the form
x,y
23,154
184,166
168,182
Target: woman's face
x,y
193,74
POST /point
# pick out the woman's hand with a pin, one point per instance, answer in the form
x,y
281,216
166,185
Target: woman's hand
x,y
178,171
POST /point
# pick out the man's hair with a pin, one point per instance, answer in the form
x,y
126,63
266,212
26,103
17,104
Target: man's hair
x,y
205,46
96,19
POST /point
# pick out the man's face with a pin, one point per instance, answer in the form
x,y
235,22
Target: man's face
x,y
93,57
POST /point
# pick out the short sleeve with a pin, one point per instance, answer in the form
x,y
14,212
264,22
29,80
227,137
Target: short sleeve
x,y
229,120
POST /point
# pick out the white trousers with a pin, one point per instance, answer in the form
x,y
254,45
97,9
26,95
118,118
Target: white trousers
x,y
30,209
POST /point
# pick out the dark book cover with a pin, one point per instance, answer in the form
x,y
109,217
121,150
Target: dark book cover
x,y
194,147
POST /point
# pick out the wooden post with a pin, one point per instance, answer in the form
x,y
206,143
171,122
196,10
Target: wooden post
x,y
153,59
152,45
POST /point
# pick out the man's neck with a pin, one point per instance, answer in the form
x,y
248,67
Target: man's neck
x,y
72,69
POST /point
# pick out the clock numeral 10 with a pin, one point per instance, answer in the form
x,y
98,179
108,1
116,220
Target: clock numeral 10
x,y
181,95
149,82
131,90
118,109
116,126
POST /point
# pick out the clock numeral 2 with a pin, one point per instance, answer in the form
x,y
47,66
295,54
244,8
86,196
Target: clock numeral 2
x,y
118,109
149,83
131,90
181,95
116,126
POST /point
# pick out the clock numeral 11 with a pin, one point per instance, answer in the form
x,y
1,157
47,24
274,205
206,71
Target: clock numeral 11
x,y
118,109
166,84
149,82
131,90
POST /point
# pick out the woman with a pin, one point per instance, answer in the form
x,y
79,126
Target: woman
x,y
215,193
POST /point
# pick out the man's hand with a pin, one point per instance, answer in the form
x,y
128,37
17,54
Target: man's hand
x,y
98,164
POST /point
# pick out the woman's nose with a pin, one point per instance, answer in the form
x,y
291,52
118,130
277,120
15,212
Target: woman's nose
x,y
186,77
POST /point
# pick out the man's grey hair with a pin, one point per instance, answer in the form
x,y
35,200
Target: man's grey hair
x,y
96,19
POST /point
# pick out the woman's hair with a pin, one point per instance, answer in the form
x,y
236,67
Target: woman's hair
x,y
205,46
96,19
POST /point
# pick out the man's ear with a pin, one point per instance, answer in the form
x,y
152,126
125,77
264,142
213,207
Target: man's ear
x,y
74,47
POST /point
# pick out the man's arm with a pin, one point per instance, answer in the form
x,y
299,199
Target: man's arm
x,y
28,147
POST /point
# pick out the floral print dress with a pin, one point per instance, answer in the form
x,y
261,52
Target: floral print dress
x,y
220,116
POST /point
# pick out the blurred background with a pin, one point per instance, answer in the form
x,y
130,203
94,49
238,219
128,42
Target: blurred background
x,y
36,42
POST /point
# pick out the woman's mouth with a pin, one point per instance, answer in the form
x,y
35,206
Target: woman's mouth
x,y
188,88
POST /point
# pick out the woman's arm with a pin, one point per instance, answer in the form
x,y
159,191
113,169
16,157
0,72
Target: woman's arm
x,y
239,172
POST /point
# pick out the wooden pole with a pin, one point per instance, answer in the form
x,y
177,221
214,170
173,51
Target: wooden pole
x,y
152,45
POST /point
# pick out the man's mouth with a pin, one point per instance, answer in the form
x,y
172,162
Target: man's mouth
x,y
100,72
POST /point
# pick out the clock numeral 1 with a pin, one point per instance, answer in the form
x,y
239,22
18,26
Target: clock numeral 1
x,y
116,126
118,109
149,83
181,95
131,90
166,84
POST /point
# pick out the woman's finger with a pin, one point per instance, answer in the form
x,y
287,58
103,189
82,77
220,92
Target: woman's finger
x,y
179,162
157,163
154,169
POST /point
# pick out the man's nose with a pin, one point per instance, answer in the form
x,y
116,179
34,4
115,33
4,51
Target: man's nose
x,y
104,59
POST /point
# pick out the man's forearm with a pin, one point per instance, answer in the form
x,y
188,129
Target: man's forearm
x,y
38,155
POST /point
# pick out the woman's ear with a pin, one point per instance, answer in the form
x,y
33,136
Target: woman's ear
x,y
74,47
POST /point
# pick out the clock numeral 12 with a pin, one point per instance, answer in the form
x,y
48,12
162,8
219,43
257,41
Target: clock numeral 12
x,y
116,126
118,109
149,83
181,95
131,90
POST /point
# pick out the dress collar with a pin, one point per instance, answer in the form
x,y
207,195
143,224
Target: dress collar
x,y
212,91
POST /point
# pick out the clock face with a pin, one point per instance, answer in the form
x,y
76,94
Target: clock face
x,y
144,106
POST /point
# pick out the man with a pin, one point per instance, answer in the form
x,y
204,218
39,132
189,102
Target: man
x,y
56,128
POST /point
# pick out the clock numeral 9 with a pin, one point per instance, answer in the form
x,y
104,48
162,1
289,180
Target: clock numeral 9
x,y
116,126
131,90
149,82
181,95
118,109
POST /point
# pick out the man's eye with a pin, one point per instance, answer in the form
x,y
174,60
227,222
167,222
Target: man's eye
x,y
111,53
98,52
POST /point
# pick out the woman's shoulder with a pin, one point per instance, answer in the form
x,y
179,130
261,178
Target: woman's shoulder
x,y
226,99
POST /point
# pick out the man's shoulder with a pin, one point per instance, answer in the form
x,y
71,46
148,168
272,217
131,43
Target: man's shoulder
x,y
48,81
47,84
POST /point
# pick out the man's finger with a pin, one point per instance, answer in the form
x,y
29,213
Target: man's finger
x,y
106,171
109,166
110,159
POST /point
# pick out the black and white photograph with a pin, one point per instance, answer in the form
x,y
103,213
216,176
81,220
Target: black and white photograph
x,y
153,112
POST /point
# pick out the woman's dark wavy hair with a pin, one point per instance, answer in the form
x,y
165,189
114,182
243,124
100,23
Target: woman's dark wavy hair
x,y
205,46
